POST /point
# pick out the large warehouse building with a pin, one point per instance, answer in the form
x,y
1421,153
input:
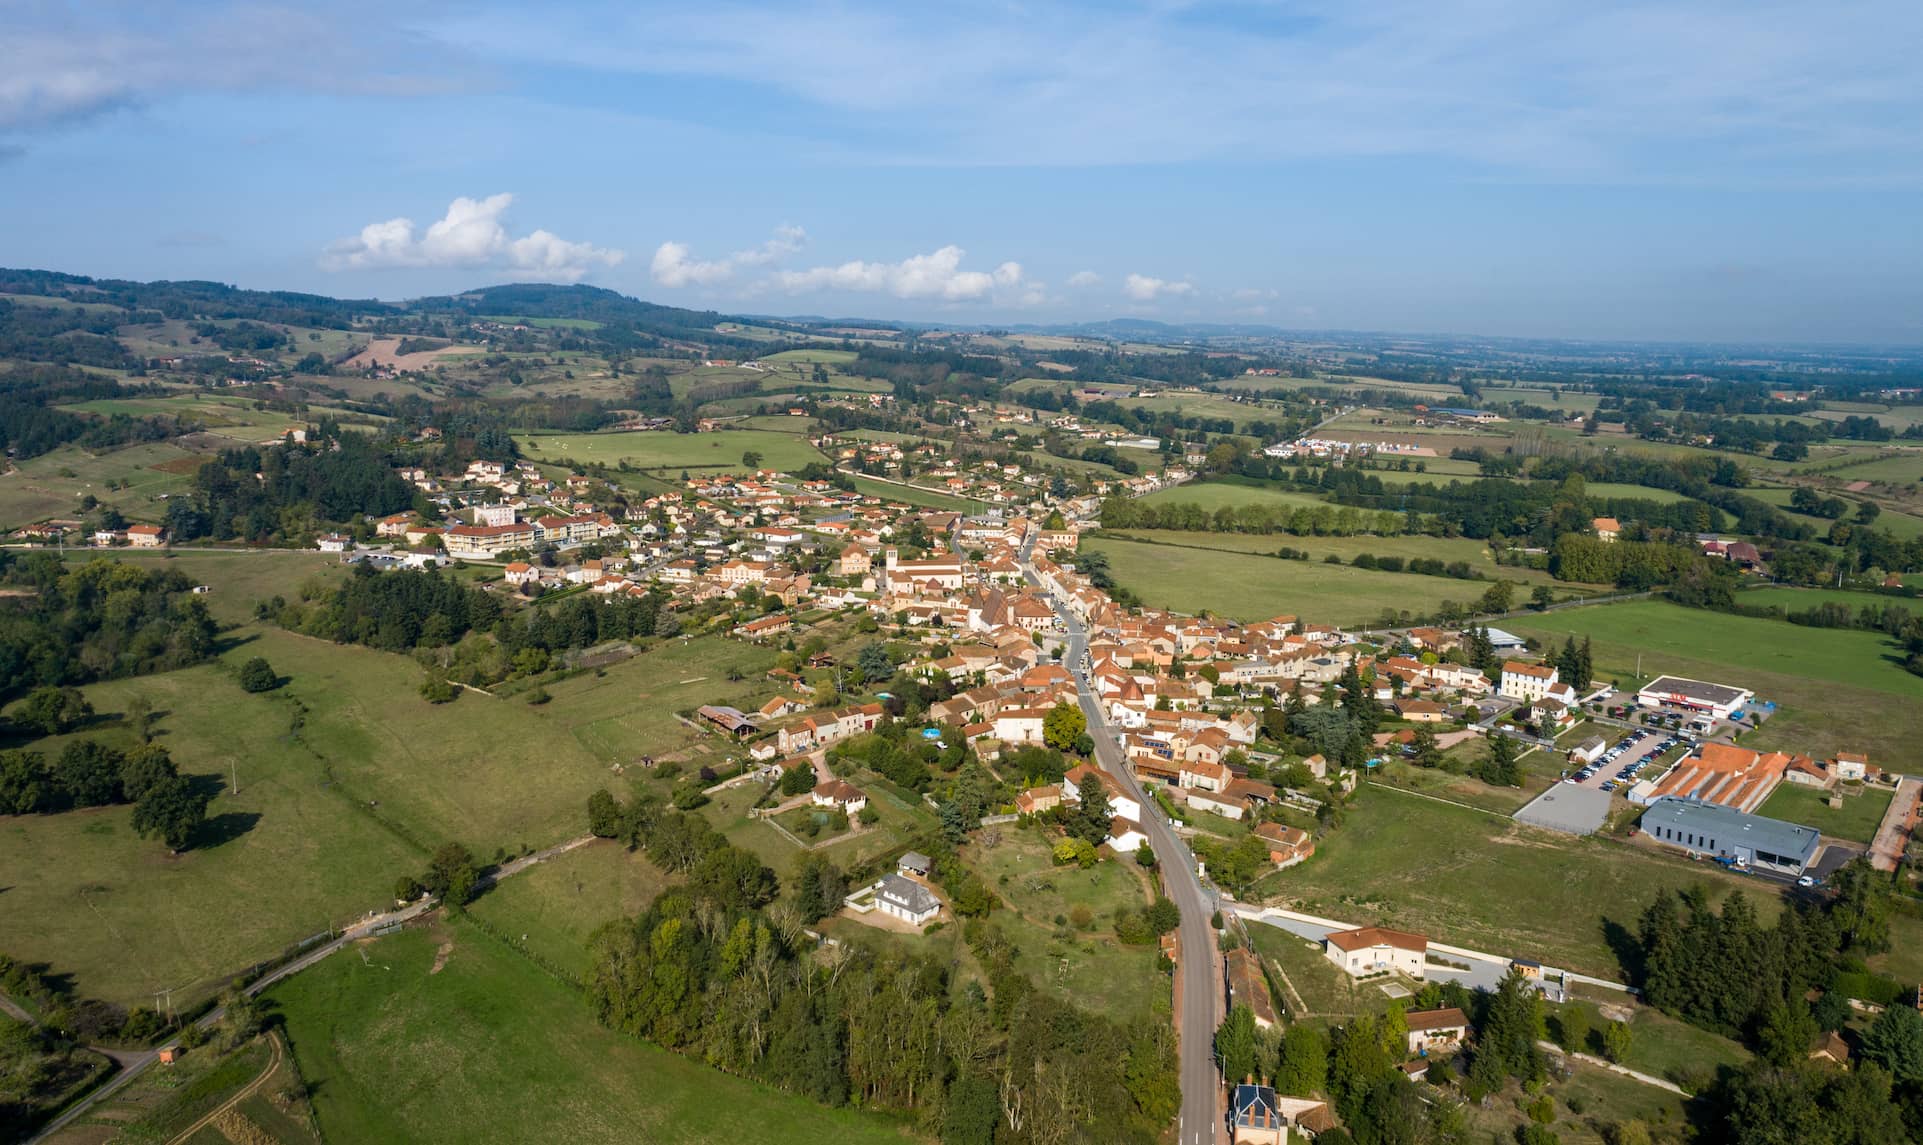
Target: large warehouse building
x,y
1718,831
1719,700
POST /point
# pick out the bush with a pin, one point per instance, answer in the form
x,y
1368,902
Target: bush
x,y
538,696
1081,917
438,691
258,676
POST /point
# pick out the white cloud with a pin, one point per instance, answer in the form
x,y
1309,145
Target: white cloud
x,y
937,274
1083,279
470,234
1143,288
674,267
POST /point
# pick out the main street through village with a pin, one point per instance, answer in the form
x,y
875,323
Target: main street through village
x,y
1198,989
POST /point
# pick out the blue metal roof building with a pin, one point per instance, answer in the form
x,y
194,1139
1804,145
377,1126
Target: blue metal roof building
x,y
1724,832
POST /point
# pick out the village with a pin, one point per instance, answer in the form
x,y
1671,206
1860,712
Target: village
x,y
1162,722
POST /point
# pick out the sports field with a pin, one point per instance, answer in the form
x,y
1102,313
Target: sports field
x,y
662,450
1248,587
1823,678
443,1034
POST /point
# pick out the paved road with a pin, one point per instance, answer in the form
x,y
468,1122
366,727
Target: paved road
x,y
1197,981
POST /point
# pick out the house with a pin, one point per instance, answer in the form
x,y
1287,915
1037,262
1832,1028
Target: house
x,y
1435,1029
1850,765
906,899
144,536
1124,837
1243,980
839,793
1723,832
1287,845
767,626
1377,950
1255,1118
1832,1049
914,863
1525,681
854,561
1607,528
1421,711
1036,800
519,573
1589,750
335,543
1724,773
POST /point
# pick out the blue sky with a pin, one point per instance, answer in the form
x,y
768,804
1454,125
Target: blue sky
x,y
1683,170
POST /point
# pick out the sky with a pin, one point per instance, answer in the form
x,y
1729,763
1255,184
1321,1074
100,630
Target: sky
x,y
1679,170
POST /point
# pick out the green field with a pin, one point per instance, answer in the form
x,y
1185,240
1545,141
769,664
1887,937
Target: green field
x,y
663,450
230,417
303,845
552,909
444,1034
293,857
1860,815
1611,490
1213,495
1247,587
831,357
915,495
1448,549
1822,678
1091,968
52,484
1472,879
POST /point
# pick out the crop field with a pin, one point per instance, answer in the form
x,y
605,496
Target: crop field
x,y
1248,587
1610,489
1858,819
1213,495
1822,678
663,450
1446,549
1486,882
52,484
1896,466
445,1035
915,495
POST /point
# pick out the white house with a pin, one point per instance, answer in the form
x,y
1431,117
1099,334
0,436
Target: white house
x,y
1125,836
1526,682
1375,950
840,793
906,899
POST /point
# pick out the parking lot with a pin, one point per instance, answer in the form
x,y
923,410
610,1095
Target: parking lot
x,y
1616,770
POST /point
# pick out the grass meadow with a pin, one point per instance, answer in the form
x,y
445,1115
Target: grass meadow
x,y
661,450
1488,883
444,1034
52,484
1246,586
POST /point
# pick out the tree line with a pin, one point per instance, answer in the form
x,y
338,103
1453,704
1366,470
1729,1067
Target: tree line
x,y
723,969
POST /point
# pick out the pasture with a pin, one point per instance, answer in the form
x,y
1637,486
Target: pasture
x,y
552,909
229,417
706,452
52,484
1213,495
446,1035
1248,587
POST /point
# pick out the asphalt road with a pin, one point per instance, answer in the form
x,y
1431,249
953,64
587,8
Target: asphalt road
x,y
1196,975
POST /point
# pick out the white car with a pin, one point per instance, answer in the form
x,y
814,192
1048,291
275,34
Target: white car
x,y
1806,881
